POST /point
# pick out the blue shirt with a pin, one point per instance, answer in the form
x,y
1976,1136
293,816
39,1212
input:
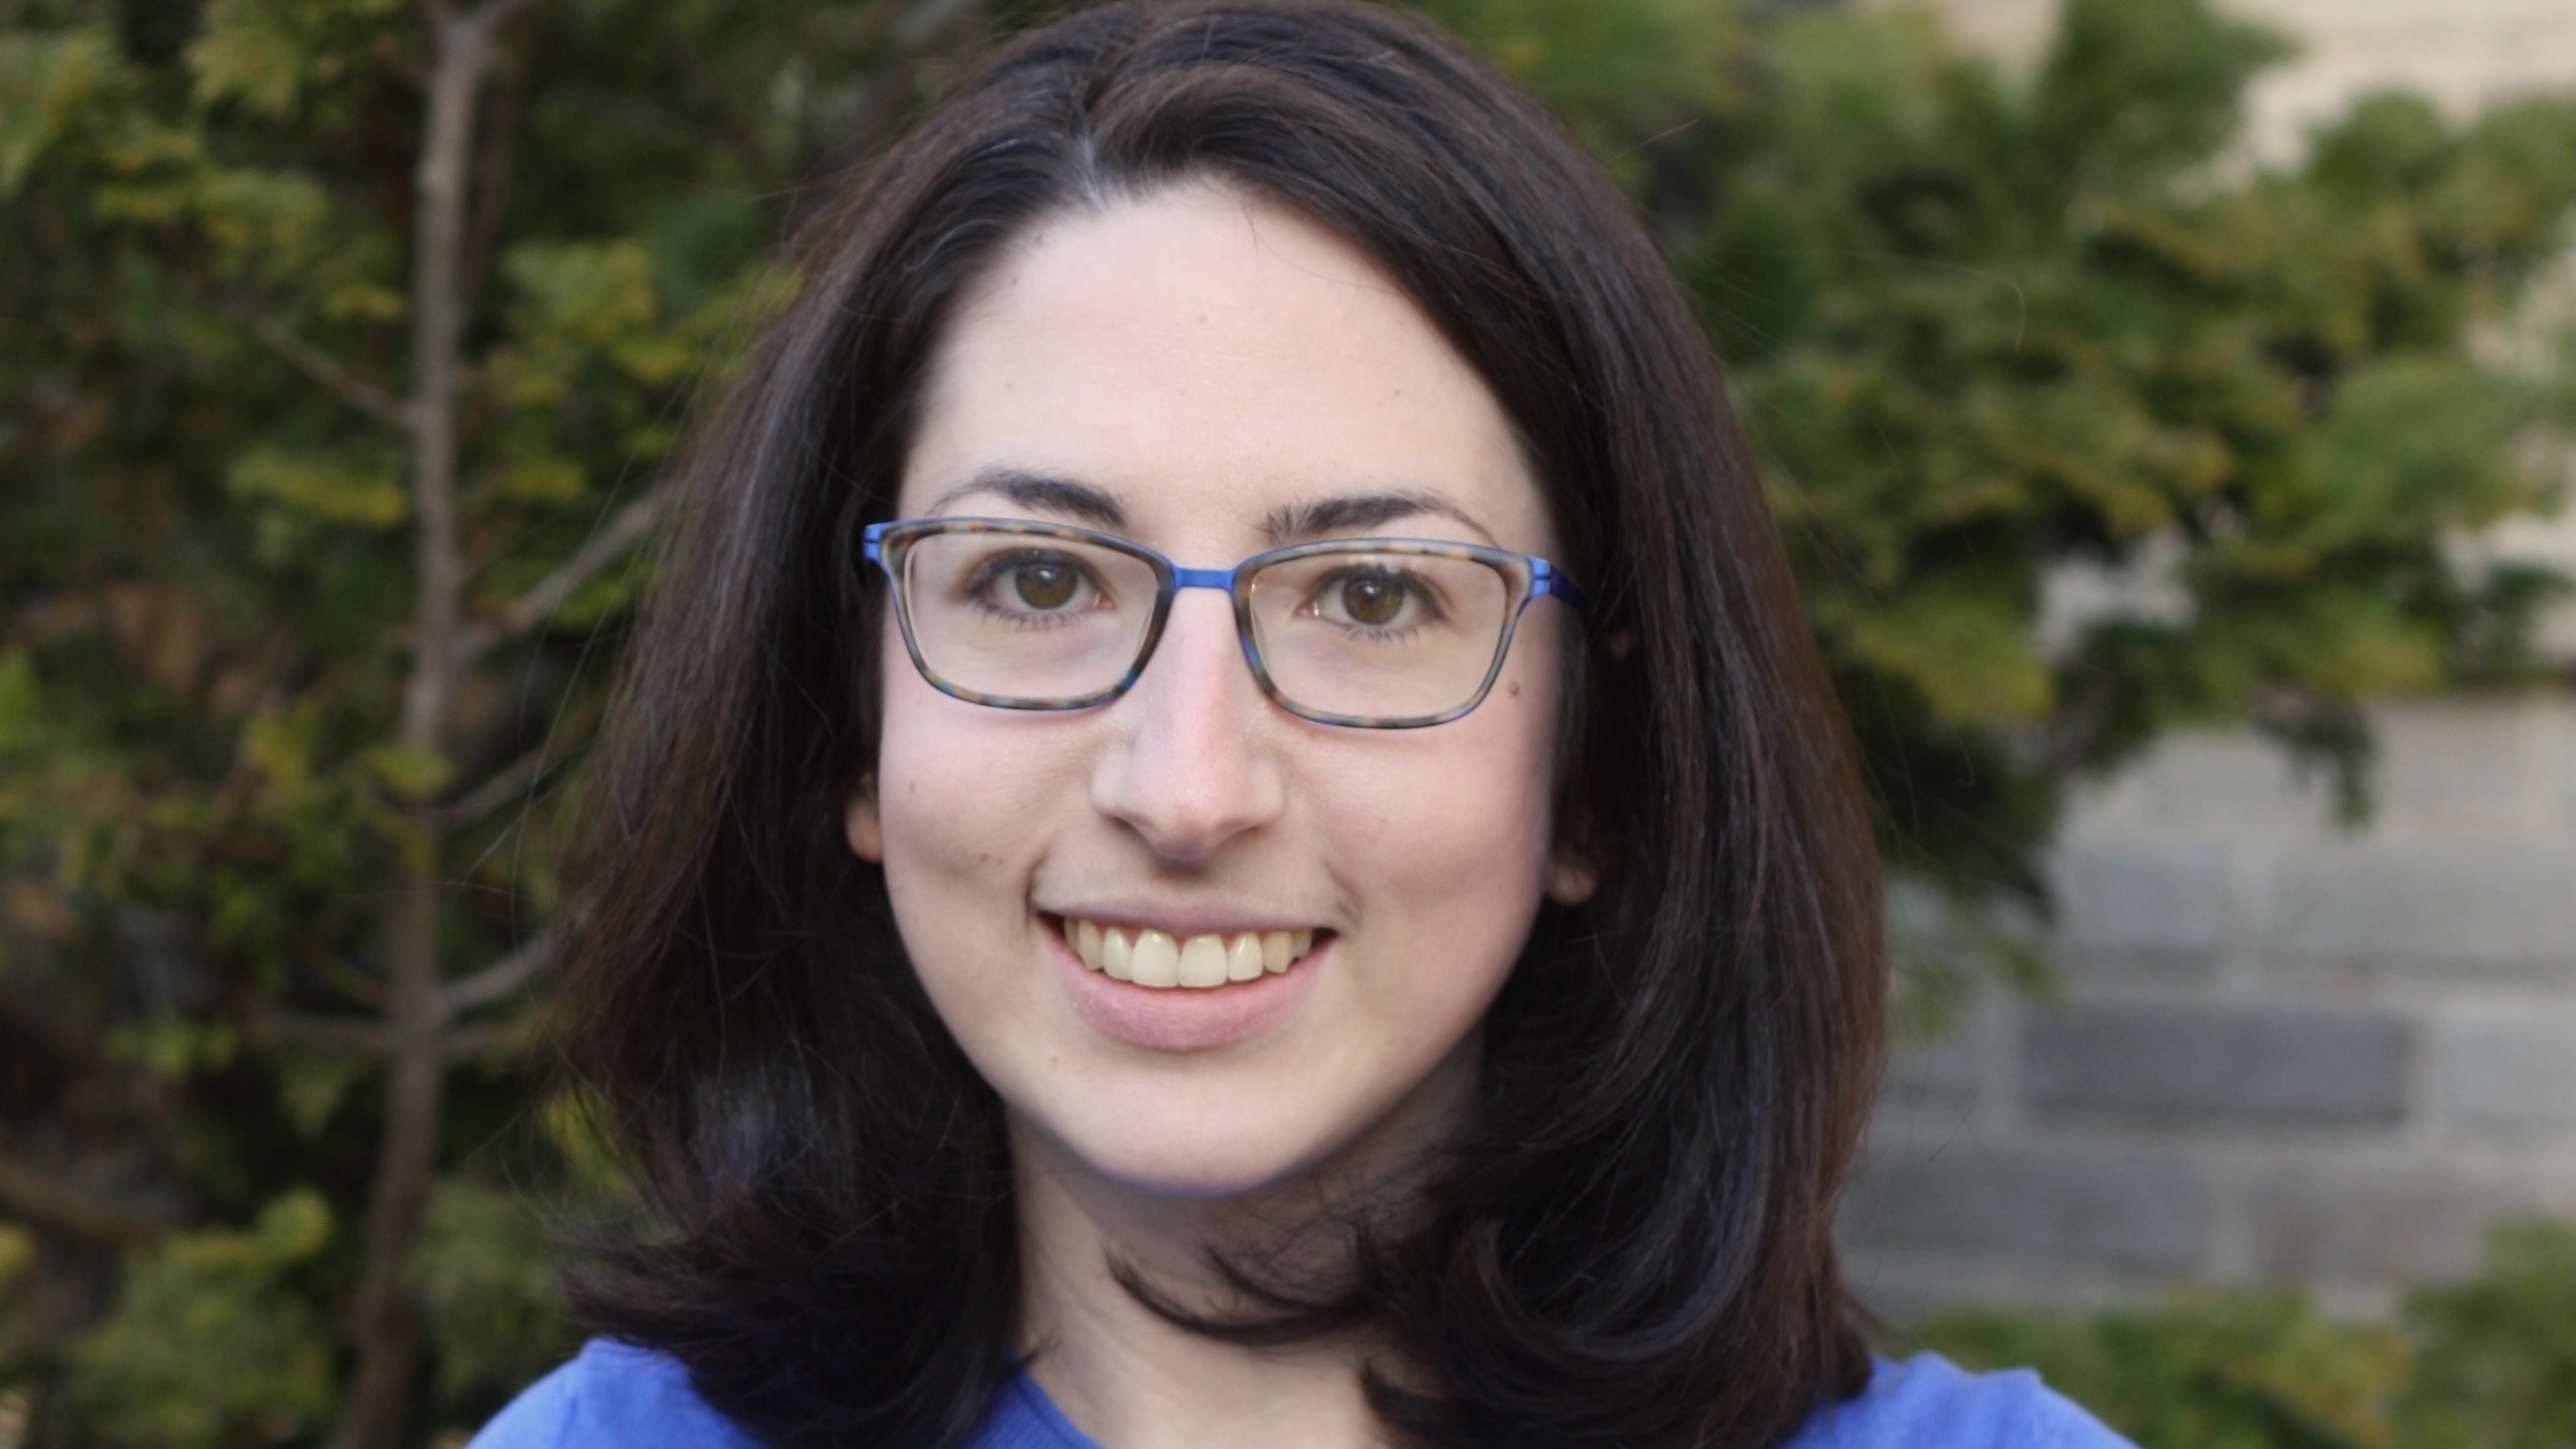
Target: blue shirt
x,y
617,1397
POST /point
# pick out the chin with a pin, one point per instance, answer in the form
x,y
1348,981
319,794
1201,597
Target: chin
x,y
1216,1150
1197,1166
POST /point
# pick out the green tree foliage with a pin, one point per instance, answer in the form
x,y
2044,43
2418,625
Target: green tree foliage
x,y
2488,1364
211,1342
1985,331
341,342
2496,1366
329,413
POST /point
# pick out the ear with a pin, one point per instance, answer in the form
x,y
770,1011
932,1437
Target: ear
x,y
1571,880
860,825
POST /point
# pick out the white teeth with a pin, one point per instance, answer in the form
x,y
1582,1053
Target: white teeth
x,y
1203,961
1243,958
1155,958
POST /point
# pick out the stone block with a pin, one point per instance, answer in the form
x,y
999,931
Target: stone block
x,y
2140,898
2030,1206
2466,904
2259,1068
2508,1075
2471,765
2567,744
2410,1225
2207,784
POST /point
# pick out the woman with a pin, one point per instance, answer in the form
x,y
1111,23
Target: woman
x,y
1226,830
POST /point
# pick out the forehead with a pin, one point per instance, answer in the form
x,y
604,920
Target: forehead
x,y
1211,362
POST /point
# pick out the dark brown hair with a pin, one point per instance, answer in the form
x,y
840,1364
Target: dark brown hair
x,y
1631,1243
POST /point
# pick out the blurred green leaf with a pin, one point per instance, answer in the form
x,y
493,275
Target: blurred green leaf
x,y
486,1272
264,54
210,1342
2481,1365
352,488
47,81
2497,1368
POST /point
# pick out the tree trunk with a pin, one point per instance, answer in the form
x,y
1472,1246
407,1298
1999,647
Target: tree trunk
x,y
385,1321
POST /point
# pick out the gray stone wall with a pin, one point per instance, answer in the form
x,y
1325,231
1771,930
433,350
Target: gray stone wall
x,y
2279,1051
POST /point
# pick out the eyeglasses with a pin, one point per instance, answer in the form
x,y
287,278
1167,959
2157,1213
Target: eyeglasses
x,y
1379,633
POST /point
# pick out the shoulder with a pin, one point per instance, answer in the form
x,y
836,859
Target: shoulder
x,y
1927,1399
612,1396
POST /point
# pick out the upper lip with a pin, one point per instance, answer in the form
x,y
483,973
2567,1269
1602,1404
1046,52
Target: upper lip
x,y
1182,921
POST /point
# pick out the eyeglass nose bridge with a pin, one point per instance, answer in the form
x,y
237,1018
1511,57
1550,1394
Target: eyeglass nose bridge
x,y
1224,581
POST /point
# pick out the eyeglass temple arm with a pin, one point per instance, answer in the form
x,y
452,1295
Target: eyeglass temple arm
x,y
1544,579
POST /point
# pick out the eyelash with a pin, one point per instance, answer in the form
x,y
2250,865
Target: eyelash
x,y
980,585
1422,598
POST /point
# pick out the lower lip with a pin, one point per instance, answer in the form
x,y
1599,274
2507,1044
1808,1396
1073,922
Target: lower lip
x,y
1181,1018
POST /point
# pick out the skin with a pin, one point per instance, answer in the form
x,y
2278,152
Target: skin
x,y
1204,362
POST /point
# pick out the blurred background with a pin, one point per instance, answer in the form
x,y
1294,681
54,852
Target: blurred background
x,y
2167,402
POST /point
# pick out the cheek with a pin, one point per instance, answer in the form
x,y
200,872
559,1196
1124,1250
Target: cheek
x,y
961,794
1452,833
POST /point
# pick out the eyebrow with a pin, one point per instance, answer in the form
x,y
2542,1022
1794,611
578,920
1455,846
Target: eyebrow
x,y
1347,513
1360,512
1038,490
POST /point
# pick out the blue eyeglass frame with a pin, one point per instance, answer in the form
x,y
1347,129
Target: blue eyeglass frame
x,y
887,544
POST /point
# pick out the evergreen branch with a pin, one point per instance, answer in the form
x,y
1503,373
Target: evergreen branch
x,y
28,1194
501,978
331,1033
538,604
334,379
511,782
349,981
396,64
488,1039
492,13
926,20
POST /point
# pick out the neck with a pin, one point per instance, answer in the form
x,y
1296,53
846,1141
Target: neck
x,y
1132,1380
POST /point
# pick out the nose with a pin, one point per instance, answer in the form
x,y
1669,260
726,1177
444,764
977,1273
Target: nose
x,y
1190,767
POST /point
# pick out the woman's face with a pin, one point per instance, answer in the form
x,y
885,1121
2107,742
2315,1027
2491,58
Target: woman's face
x,y
1212,377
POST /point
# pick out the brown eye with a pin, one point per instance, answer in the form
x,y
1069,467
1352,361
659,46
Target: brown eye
x,y
1372,599
1043,585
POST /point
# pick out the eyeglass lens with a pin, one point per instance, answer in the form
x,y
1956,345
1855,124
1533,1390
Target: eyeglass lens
x,y
1363,633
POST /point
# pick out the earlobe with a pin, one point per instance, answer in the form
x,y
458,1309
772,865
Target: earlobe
x,y
860,824
1570,881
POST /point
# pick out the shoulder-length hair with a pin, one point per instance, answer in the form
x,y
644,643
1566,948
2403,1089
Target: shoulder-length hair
x,y
1631,1242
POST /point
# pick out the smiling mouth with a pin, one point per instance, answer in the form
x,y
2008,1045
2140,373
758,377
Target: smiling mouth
x,y
1143,956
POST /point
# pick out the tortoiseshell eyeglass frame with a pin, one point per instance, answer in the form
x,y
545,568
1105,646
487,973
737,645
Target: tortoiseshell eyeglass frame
x,y
1526,578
